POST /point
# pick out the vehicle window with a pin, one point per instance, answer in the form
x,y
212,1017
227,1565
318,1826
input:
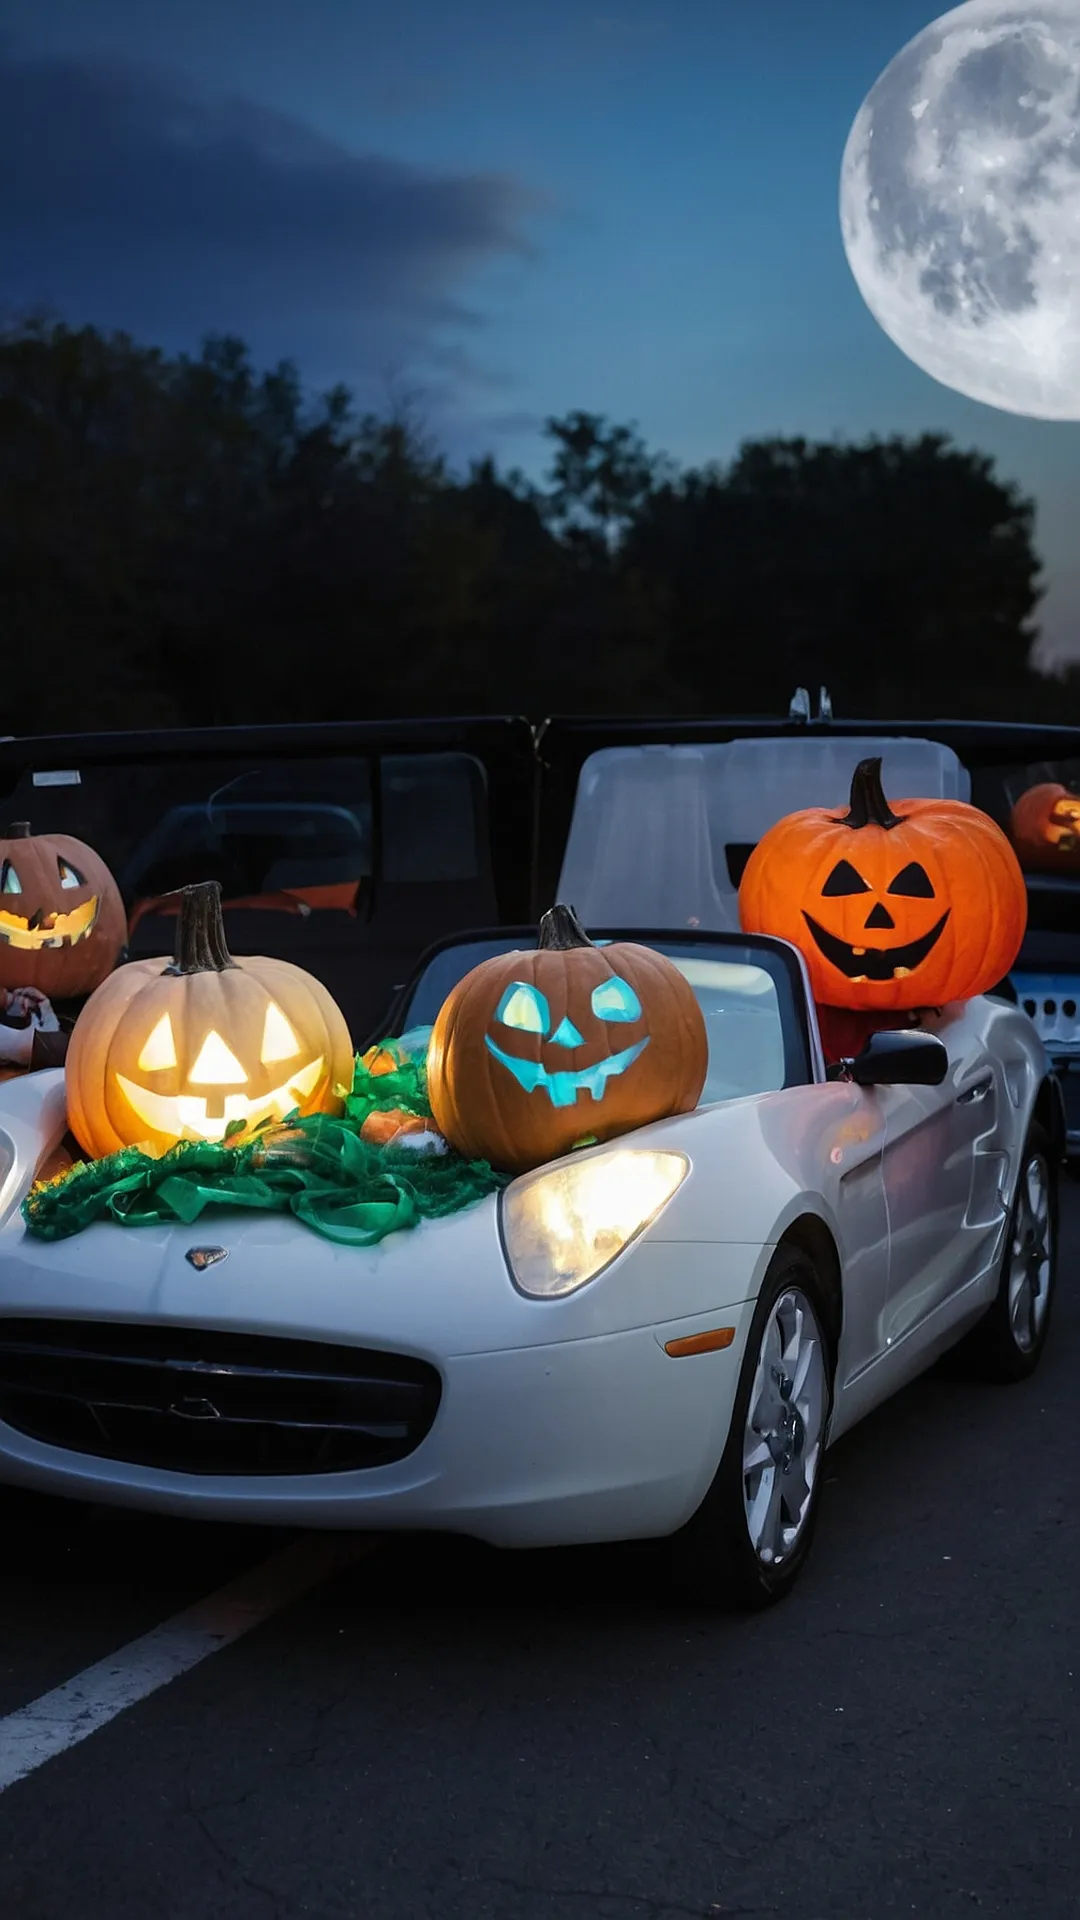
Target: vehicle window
x,y
432,818
300,826
741,1006
262,835
757,1040
346,863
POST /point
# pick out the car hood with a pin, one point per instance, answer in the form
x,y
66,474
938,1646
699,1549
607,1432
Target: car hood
x,y
442,1287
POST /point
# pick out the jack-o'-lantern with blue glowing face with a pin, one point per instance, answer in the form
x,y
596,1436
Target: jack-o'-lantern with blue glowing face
x,y
537,1052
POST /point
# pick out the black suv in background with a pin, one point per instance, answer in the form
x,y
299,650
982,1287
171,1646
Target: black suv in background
x,y
351,847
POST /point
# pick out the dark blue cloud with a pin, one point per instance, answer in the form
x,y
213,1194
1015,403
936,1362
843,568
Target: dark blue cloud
x,y
133,200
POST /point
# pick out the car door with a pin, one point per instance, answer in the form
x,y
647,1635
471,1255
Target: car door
x,y
942,1191
853,1138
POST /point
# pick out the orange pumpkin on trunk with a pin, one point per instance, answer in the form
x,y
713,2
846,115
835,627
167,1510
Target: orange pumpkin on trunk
x,y
536,1052
62,921
892,907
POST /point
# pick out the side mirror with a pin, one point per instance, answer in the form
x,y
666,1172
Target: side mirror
x,y
900,1059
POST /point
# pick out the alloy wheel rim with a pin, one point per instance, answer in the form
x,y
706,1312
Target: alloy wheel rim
x,y
1030,1255
785,1428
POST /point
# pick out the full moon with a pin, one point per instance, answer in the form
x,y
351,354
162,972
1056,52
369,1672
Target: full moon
x,y
960,203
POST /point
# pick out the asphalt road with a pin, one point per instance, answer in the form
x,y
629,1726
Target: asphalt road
x,y
443,1733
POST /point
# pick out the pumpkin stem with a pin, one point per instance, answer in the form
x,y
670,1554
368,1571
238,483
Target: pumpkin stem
x,y
868,805
561,930
200,931
18,830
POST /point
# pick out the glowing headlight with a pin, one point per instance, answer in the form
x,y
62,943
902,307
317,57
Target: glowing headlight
x,y
563,1226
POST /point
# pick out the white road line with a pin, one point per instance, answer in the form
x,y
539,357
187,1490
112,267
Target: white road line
x,y
60,1719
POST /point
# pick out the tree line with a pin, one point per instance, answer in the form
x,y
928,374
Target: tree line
x,y
187,540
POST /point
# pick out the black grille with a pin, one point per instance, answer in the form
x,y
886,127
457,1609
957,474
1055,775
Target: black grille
x,y
208,1402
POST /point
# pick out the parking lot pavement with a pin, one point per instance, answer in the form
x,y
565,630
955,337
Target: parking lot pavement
x,y
438,1730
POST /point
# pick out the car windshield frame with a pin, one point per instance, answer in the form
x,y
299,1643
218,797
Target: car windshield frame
x,y
776,957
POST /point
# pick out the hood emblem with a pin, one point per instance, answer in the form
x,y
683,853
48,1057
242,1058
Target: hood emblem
x,y
203,1257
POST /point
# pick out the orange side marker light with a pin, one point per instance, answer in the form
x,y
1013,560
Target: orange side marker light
x,y
700,1343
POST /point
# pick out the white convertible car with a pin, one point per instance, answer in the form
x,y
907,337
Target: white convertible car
x,y
656,1338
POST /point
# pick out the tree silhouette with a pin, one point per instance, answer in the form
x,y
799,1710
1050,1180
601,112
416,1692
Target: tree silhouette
x,y
600,477
899,573
187,540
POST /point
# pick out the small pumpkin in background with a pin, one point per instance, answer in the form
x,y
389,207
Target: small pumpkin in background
x,y
892,907
62,920
180,1051
536,1052
1045,828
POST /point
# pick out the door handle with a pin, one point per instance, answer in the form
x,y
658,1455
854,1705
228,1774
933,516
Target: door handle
x,y
977,1091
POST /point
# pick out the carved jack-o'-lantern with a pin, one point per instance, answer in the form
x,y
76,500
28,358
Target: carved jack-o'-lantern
x,y
1045,826
892,907
180,1052
536,1052
62,924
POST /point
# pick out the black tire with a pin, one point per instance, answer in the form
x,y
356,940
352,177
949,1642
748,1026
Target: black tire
x,y
713,1560
1008,1344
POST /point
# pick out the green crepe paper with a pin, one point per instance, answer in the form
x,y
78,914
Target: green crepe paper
x,y
319,1169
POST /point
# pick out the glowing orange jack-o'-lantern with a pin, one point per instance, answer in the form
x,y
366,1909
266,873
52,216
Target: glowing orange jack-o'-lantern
x,y
62,922
182,1052
903,906
1045,826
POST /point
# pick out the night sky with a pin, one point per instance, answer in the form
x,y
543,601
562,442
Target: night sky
x,y
509,208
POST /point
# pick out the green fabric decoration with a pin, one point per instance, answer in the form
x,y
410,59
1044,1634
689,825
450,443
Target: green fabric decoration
x,y
349,1190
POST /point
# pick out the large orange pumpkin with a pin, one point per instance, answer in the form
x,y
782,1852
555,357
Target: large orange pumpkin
x,y
181,1051
539,1051
892,907
1045,826
62,923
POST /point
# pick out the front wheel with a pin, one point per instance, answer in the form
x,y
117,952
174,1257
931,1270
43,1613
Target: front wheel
x,y
748,1541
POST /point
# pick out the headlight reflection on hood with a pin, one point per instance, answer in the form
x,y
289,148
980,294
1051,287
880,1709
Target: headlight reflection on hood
x,y
562,1226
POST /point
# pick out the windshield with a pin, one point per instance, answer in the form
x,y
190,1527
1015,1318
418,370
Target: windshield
x,y
267,827
749,992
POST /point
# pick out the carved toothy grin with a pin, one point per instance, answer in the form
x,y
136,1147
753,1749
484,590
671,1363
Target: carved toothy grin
x,y
46,930
1063,829
563,1086
183,1116
875,963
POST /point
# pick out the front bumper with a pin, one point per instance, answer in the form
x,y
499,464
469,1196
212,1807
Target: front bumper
x,y
558,1423
599,1439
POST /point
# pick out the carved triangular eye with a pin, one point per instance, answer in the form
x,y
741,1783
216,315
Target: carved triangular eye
x,y
615,999
914,882
843,879
159,1051
279,1042
524,1007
